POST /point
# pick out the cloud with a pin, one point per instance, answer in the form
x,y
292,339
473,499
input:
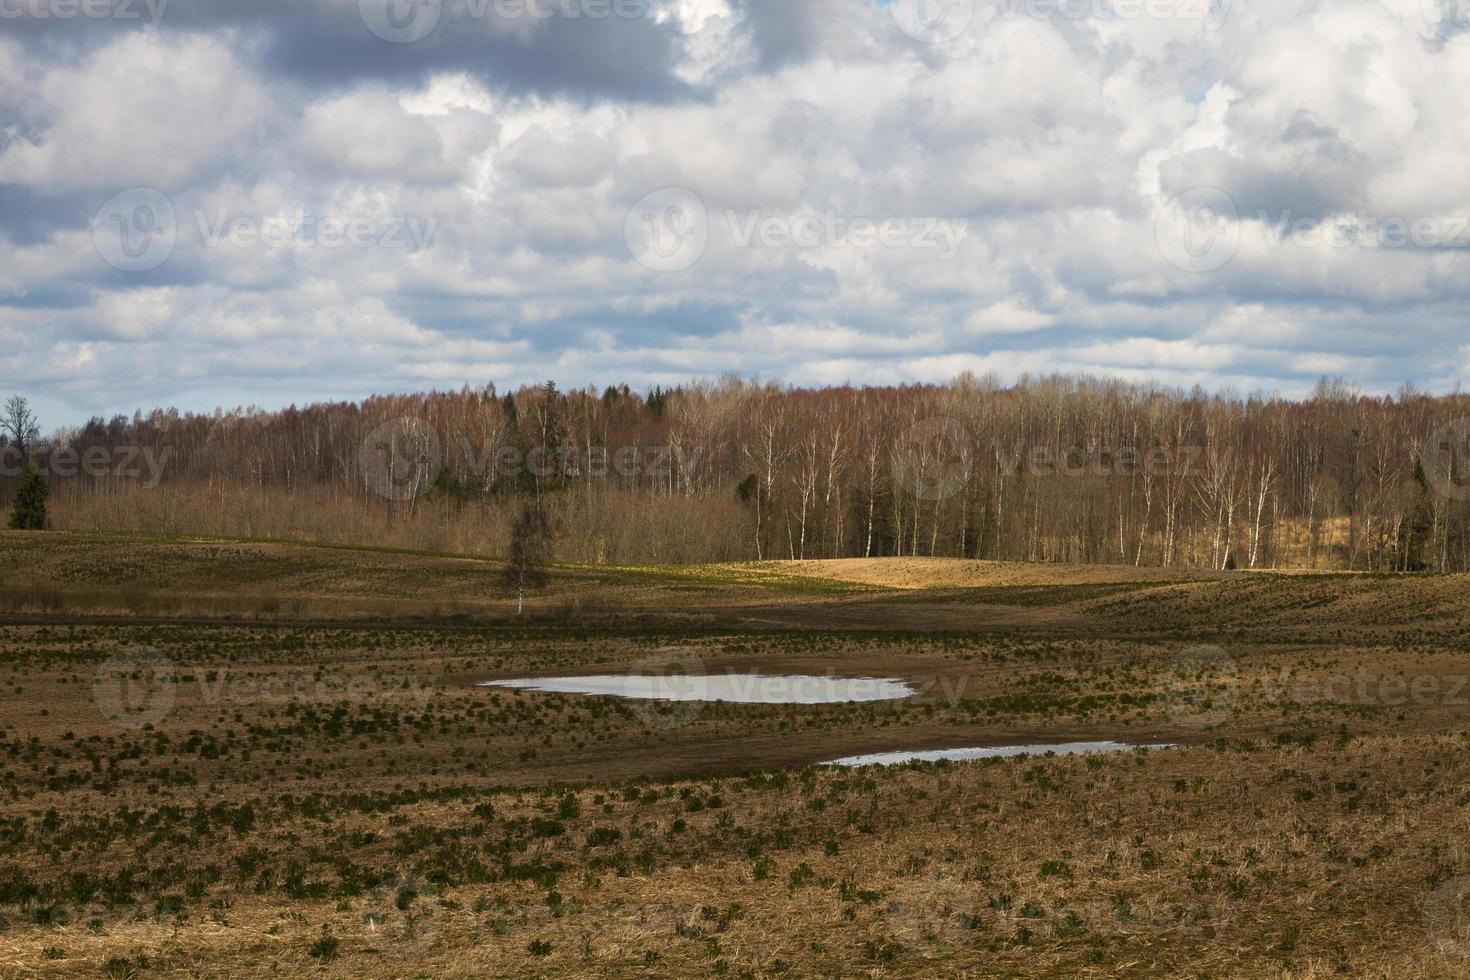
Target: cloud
x,y
147,109
491,167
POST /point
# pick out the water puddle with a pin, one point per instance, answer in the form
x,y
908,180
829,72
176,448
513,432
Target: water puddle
x,y
735,688
995,752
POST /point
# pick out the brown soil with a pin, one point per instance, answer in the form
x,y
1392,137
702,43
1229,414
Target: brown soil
x,y
311,783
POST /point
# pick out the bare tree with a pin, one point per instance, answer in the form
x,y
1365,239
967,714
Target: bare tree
x,y
1137,473
530,549
18,423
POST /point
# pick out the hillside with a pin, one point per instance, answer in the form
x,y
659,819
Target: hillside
x,y
84,575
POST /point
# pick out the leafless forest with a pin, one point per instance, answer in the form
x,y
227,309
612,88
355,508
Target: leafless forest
x,y
1053,469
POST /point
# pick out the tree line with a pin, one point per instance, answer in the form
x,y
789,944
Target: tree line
x,y
1053,469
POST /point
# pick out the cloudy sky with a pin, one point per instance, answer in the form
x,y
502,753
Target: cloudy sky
x,y
222,202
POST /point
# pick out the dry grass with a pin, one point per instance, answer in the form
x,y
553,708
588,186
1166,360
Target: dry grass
x,y
956,573
320,789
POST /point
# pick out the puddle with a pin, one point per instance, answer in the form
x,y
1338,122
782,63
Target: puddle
x,y
736,688
995,752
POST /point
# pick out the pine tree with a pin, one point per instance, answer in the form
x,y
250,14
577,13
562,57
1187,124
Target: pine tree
x,y
549,470
30,500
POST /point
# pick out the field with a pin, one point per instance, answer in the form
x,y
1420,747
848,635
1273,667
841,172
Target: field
x,y
226,757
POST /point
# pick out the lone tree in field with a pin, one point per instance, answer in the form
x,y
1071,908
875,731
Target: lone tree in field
x,y
18,424
30,500
530,547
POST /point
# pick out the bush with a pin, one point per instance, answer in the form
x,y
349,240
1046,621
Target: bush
x,y
325,949
30,500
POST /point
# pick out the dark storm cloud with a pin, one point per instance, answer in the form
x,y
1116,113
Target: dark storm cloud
x,y
628,58
329,42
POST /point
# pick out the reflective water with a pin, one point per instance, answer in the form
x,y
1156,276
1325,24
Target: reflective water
x,y
736,688
993,752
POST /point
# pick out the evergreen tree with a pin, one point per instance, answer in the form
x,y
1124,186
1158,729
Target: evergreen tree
x,y
519,479
550,473
30,500
658,401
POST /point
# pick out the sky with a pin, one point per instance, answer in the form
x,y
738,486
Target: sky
x,y
263,202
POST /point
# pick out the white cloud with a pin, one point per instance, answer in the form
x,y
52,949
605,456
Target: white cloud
x,y
1056,140
145,109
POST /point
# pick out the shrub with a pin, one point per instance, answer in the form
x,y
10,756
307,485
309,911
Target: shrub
x,y
30,500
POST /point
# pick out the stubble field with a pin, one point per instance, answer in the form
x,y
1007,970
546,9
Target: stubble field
x,y
251,759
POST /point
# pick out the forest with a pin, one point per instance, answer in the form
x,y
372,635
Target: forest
x,y
1053,469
